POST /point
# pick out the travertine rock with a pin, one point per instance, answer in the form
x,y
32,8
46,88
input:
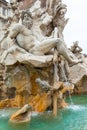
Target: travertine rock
x,y
22,115
78,76
8,103
40,103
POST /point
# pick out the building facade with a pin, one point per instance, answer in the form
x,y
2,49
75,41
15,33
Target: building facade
x,y
4,13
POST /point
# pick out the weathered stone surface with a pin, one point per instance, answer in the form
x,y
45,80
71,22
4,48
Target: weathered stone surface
x,y
41,102
81,86
23,79
22,115
78,76
8,103
18,78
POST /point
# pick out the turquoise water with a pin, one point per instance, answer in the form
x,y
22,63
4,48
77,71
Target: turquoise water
x,y
73,117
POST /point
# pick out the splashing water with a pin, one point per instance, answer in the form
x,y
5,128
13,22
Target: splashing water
x,y
74,117
70,98
3,114
71,101
76,107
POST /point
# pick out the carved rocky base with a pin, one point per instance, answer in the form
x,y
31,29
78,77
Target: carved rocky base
x,y
78,76
8,103
22,115
40,103
28,91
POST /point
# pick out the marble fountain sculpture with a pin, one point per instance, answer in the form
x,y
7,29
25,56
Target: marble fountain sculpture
x,y
36,60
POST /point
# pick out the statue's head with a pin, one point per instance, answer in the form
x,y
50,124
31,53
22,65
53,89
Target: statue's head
x,y
76,43
62,12
27,20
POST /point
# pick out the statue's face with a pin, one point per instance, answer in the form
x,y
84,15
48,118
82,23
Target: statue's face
x,y
26,16
62,12
27,21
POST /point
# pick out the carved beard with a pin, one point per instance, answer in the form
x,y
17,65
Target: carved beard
x,y
28,24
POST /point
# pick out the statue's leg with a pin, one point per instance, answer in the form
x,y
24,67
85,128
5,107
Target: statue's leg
x,y
63,50
48,44
44,47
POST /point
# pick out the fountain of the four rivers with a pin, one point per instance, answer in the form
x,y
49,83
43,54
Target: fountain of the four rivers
x,y
38,72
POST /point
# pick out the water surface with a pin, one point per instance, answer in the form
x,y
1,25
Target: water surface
x,y
74,117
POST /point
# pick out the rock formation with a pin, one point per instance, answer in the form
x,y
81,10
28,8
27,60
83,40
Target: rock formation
x,y
78,73
22,115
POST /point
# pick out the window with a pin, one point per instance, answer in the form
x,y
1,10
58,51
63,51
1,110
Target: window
x,y
3,11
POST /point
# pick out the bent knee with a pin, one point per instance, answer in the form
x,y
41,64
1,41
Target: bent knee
x,y
59,41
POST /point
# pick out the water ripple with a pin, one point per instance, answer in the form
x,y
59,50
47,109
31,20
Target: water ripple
x,y
76,107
